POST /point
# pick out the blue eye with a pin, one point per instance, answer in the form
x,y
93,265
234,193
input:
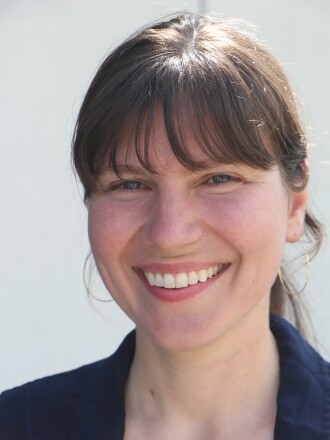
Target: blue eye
x,y
219,178
131,185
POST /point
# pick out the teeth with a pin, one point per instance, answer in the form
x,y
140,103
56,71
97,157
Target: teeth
x,y
169,281
202,275
192,278
159,280
179,280
151,278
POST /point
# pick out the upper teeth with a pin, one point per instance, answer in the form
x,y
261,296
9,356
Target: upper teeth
x,y
182,279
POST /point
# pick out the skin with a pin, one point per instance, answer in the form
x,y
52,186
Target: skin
x,y
206,361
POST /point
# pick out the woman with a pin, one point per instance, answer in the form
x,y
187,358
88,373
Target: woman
x,y
194,165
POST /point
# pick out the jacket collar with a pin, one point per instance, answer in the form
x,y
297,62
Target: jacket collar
x,y
303,401
101,409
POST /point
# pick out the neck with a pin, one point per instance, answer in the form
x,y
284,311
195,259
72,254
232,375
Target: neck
x,y
235,376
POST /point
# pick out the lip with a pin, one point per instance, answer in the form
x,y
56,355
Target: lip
x,y
176,295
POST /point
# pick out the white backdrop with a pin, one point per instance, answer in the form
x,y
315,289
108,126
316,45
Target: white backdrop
x,y
49,52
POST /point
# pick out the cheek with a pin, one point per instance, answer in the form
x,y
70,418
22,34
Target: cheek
x,y
102,229
110,227
251,220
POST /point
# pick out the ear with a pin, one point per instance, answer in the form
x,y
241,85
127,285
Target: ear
x,y
296,215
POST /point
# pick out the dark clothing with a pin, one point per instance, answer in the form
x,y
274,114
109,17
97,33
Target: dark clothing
x,y
303,400
88,403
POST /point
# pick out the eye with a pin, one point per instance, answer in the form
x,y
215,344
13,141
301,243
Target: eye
x,y
128,185
131,185
222,183
219,179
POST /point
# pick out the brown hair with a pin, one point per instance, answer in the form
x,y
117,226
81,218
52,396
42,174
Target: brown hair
x,y
211,76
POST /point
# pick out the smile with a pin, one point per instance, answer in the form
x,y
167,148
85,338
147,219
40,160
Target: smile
x,y
182,279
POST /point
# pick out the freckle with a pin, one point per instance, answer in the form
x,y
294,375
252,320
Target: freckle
x,y
152,392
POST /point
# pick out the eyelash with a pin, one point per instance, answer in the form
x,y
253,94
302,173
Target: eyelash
x,y
225,177
121,185
214,180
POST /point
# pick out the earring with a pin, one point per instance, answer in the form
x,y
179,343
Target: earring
x,y
87,283
289,292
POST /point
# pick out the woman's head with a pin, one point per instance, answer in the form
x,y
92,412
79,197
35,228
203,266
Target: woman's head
x,y
211,81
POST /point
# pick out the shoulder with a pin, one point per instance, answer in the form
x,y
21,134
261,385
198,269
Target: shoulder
x,y
50,398
47,407
304,392
294,349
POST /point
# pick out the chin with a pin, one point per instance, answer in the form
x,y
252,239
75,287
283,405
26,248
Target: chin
x,y
182,334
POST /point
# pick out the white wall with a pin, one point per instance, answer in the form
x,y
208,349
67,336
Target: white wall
x,y
49,52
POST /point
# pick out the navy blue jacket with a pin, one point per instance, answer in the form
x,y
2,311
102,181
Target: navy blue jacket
x,y
88,403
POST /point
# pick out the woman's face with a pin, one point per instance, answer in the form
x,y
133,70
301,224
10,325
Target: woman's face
x,y
210,240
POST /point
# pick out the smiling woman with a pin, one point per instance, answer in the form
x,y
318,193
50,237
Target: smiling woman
x,y
173,223
194,164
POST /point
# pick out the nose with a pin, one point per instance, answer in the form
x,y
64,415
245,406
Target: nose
x,y
174,225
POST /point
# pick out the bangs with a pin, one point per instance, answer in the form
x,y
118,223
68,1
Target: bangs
x,y
211,93
220,118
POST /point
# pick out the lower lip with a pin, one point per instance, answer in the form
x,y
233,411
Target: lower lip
x,y
176,295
